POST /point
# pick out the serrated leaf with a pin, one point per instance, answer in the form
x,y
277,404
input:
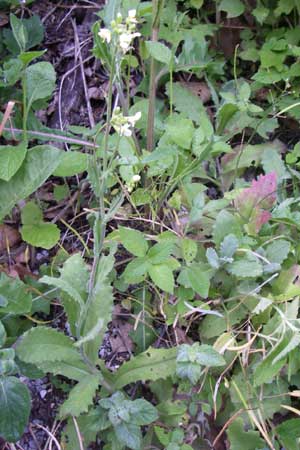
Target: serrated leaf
x,y
71,164
266,370
15,408
191,358
160,253
153,364
136,270
272,162
142,412
62,284
129,434
11,159
162,276
159,51
80,397
245,268
262,305
73,284
229,246
241,439
43,344
292,344
134,241
15,292
39,81
39,164
278,251
199,280
74,370
189,249
225,224
100,306
213,258
289,433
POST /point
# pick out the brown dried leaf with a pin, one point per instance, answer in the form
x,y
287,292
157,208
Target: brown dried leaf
x,y
9,237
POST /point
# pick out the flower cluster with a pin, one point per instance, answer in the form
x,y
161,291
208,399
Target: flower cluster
x,y
124,124
131,184
124,32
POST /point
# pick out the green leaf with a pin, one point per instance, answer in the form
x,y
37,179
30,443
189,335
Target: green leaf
x,y
197,3
191,106
35,231
213,258
241,439
43,344
15,408
180,130
272,162
27,57
225,113
278,251
225,224
11,159
39,164
198,279
74,370
162,276
2,334
289,433
15,292
153,364
159,51
39,81
80,397
44,235
136,270
234,8
189,249
160,253
260,13
248,267
142,412
19,31
73,283
129,434
267,369
100,307
134,241
191,358
71,164
229,246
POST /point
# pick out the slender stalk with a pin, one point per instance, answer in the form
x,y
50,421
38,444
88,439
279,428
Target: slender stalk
x,y
152,85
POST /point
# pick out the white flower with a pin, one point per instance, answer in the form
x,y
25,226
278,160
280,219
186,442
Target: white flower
x,y
136,178
125,41
105,34
133,119
125,130
132,13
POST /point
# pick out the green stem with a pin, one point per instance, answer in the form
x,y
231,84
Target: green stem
x,y
156,6
25,112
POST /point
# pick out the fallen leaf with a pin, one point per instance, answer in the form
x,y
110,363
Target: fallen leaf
x,y
9,237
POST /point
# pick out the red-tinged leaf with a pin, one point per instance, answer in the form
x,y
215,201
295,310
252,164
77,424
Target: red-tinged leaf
x,y
254,202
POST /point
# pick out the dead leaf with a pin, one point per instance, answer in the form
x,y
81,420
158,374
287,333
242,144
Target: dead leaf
x,y
9,237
